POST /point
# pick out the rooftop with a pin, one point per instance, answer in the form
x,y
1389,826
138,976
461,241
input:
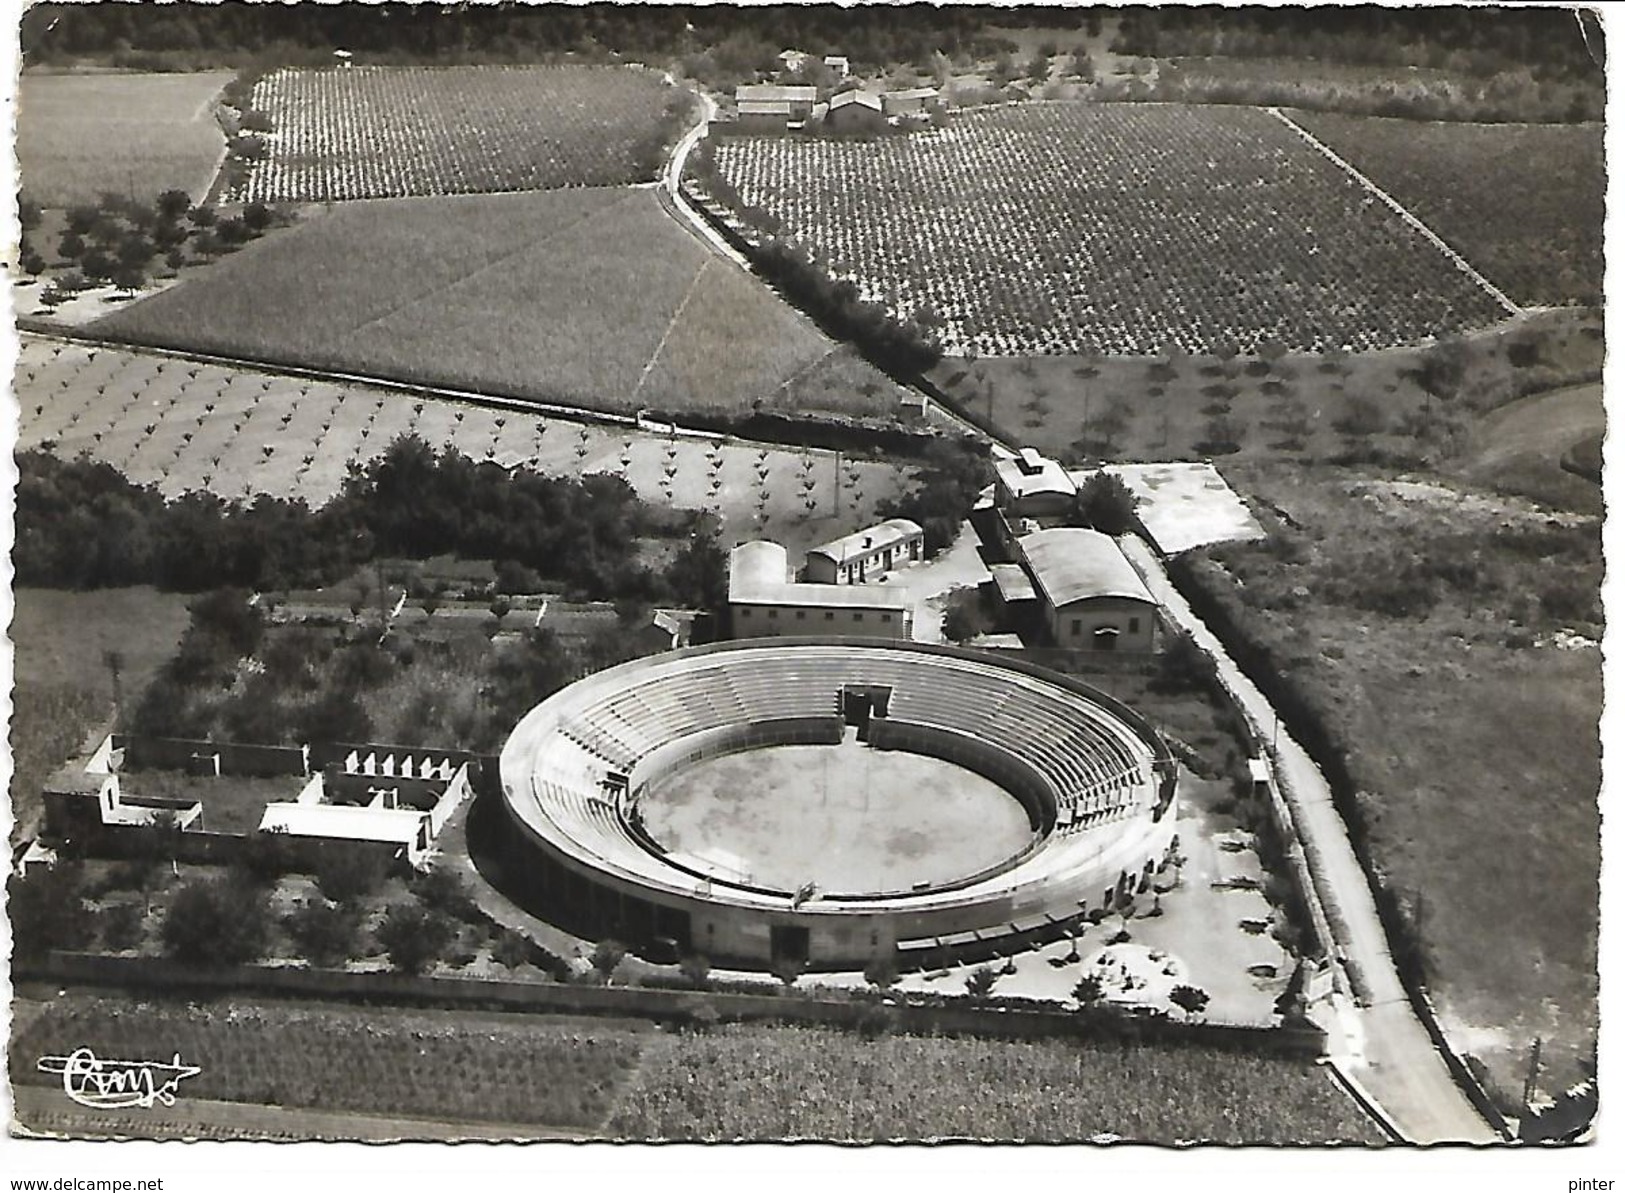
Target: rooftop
x,y
873,538
847,98
1072,564
775,93
351,823
758,573
1030,473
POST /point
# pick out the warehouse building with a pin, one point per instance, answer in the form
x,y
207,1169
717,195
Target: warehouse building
x,y
763,602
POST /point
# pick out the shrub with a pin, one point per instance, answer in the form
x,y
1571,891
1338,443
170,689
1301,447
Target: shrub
x,y
1106,504
414,937
47,911
348,876
443,890
325,934
215,922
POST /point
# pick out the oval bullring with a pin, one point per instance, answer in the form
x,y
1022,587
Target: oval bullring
x,y
600,780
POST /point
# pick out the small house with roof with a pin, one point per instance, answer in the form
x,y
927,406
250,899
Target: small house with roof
x,y
839,64
866,555
763,602
855,112
917,103
774,105
1031,485
1090,595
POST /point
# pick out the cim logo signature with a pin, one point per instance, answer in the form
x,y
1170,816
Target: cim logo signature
x,y
116,1084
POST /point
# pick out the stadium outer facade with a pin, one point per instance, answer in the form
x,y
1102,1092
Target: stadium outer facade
x,y
1097,783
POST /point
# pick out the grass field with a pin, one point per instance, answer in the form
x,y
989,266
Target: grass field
x,y
1429,630
787,1083
389,132
185,426
592,297
1522,202
134,134
1124,229
624,1080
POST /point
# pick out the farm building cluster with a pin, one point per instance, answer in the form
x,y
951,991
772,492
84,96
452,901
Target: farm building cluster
x,y
804,107
218,798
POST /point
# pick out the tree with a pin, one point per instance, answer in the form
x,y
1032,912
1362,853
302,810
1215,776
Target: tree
x,y
216,922
172,205
349,875
443,889
1082,66
47,910
881,972
1106,504
697,970
414,937
325,934
606,958
257,217
980,981
1089,990
1038,68
789,970
1190,999
512,949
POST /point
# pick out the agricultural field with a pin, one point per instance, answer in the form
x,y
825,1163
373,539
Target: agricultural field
x,y
1522,202
1120,229
373,132
1447,637
406,1064
591,297
186,426
136,135
1303,405
789,1083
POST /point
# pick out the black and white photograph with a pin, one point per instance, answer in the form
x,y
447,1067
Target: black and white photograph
x,y
920,578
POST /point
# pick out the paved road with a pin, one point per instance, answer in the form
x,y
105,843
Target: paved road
x,y
1395,1059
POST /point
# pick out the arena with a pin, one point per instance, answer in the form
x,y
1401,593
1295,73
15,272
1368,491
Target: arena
x,y
826,801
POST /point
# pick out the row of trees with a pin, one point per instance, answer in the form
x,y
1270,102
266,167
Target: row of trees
x,y
118,238
82,524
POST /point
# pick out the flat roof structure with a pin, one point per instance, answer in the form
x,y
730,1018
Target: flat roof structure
x,y
1070,564
758,574
875,538
1012,583
397,826
1029,474
791,93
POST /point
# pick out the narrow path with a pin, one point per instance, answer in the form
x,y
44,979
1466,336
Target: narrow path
x,y
1399,1065
677,205
1399,209
671,324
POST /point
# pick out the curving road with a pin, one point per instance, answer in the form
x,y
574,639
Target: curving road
x,y
1387,1050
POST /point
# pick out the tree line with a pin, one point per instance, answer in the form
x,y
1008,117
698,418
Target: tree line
x,y
82,524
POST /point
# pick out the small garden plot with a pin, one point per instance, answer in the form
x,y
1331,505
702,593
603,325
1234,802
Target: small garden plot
x,y
1522,202
381,132
1114,228
137,135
